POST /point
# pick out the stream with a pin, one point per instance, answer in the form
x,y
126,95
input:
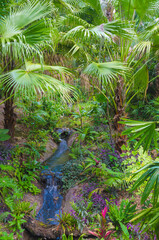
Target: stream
x,y
52,199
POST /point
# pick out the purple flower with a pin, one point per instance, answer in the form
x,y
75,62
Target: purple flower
x,y
135,231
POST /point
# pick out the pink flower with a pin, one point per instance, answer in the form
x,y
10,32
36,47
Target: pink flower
x,y
104,212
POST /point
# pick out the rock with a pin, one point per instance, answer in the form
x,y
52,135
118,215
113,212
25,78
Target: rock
x,y
50,149
38,199
36,229
28,236
39,229
72,139
69,197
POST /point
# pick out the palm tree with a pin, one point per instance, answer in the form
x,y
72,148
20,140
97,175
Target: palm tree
x,y
24,33
149,44
120,72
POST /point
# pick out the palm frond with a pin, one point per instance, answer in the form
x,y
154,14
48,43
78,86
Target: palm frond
x,y
141,79
29,83
107,31
143,48
146,131
28,13
72,21
107,71
20,32
81,32
38,67
148,39
76,3
120,28
142,8
151,176
96,5
64,4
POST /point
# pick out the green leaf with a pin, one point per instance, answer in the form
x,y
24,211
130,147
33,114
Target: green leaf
x,y
107,71
149,186
145,130
3,135
124,229
30,83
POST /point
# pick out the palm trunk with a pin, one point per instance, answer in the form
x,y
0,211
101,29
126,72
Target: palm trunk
x,y
120,112
109,12
157,81
107,8
9,115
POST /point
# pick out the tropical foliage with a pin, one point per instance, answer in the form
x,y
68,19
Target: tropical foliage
x,y
86,72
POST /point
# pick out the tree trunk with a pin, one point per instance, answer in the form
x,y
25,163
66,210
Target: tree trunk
x,y
9,115
107,8
157,81
109,13
120,112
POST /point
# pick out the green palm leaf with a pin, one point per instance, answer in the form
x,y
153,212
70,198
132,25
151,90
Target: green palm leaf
x,y
141,7
106,30
23,29
96,5
147,131
148,39
72,21
86,34
151,175
120,28
38,67
107,71
29,82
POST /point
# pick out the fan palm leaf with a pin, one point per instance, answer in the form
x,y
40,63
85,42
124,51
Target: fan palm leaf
x,y
120,28
24,29
81,32
28,82
107,71
148,39
63,4
72,21
107,31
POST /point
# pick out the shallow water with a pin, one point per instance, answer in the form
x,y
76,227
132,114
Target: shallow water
x,y
61,156
52,199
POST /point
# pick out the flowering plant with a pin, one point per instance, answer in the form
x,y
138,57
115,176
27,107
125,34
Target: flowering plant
x,y
103,232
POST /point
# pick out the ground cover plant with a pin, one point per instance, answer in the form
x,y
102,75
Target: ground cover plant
x,y
90,66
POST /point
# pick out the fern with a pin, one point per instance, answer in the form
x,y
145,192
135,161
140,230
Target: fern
x,y
9,201
10,186
3,216
7,168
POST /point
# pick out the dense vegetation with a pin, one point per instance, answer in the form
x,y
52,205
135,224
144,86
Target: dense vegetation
x,y
90,66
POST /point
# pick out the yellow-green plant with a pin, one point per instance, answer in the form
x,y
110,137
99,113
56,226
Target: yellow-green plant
x,y
70,237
